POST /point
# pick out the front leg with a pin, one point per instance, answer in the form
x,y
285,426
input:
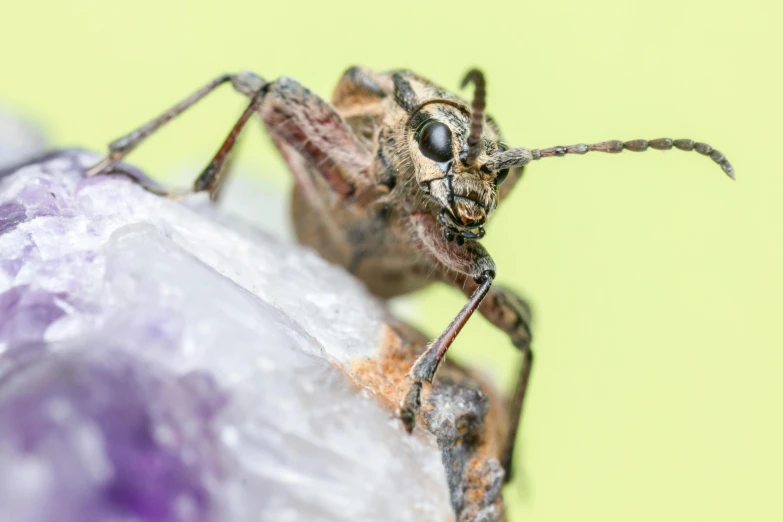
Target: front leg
x,y
470,268
506,310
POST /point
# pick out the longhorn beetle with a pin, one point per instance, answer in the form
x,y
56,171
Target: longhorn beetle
x,y
394,180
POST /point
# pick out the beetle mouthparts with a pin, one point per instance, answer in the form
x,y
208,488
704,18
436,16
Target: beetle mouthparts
x,y
453,230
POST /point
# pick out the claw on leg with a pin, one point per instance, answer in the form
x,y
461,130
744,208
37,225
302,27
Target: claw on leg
x,y
427,364
410,406
100,167
174,195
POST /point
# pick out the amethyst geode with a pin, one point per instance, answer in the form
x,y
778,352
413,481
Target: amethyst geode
x,y
161,361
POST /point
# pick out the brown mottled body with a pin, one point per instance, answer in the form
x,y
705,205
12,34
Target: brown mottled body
x,y
375,235
395,179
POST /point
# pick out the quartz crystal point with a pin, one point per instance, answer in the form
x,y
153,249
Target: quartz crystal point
x,y
163,361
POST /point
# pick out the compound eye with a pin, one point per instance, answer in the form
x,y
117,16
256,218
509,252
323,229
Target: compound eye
x,y
502,174
435,141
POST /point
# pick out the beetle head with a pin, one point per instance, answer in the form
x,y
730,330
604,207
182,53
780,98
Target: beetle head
x,y
450,147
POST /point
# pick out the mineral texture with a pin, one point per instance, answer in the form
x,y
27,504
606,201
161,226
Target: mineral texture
x,y
164,361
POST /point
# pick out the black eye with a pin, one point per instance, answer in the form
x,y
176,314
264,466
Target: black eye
x,y
502,174
435,141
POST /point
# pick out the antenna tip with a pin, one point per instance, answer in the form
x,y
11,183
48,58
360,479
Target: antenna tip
x,y
721,160
473,75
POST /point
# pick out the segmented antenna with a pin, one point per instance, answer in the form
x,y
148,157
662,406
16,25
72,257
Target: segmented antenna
x,y
521,156
476,113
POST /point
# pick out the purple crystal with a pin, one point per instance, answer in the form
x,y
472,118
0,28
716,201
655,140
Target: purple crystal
x,y
162,361
27,313
119,440
11,214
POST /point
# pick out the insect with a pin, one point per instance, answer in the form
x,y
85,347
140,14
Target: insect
x,y
395,180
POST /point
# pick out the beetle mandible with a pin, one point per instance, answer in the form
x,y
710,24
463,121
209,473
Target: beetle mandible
x,y
394,180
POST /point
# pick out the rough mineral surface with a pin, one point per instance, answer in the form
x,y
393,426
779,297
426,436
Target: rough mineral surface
x,y
160,361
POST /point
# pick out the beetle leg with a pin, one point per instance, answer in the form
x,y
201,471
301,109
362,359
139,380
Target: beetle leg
x,y
427,364
502,307
211,177
507,311
314,138
122,146
309,133
300,122
469,258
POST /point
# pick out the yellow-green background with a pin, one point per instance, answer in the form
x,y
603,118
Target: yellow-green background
x,y
656,280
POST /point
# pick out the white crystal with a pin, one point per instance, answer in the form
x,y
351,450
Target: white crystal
x,y
188,290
